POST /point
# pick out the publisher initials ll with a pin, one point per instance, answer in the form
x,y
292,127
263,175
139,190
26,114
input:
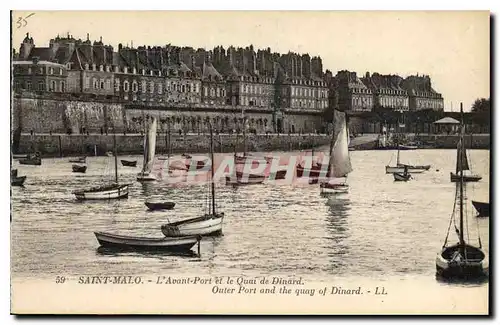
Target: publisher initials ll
x,y
380,291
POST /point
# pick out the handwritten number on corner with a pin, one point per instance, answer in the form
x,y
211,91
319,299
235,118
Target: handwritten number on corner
x,y
23,21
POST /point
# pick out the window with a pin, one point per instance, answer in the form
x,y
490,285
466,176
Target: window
x,y
117,84
60,71
28,85
143,86
63,86
205,91
212,92
108,84
87,83
29,70
197,86
218,92
41,86
52,86
135,87
160,88
101,84
101,68
86,66
126,86
95,83
151,87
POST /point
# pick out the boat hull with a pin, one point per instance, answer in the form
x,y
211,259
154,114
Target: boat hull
x,y
146,177
181,244
79,169
80,160
483,208
160,205
401,169
416,167
400,177
327,188
476,265
467,178
17,180
127,163
33,162
103,193
200,226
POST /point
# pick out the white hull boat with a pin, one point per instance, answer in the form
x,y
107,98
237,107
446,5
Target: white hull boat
x,y
108,192
394,169
208,225
327,188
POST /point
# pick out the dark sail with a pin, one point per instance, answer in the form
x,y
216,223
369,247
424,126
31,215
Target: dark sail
x,y
461,150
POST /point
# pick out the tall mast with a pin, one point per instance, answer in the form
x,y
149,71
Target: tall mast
x,y
461,148
116,155
331,145
212,169
244,133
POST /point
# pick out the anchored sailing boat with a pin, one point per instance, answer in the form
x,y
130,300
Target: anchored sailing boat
x,y
461,260
206,225
464,166
149,154
111,191
339,161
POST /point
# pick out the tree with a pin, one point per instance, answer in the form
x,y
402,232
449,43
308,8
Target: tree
x,y
481,105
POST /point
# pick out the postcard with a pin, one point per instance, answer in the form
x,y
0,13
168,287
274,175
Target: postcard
x,y
250,162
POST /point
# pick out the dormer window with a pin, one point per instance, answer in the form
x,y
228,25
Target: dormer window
x,y
117,69
93,67
86,66
60,71
151,73
51,70
108,68
159,73
125,69
143,72
134,70
101,68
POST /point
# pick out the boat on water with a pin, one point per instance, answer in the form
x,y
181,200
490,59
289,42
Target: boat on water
x,y
461,260
31,159
469,176
108,191
339,163
179,244
79,160
19,156
79,168
128,163
17,180
482,208
402,177
146,173
153,206
240,178
210,224
415,167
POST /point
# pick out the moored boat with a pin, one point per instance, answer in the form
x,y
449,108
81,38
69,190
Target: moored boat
x,y
178,244
105,192
401,169
17,180
80,160
31,159
462,260
207,225
160,205
467,178
483,208
415,167
19,156
240,178
401,177
79,168
128,163
146,174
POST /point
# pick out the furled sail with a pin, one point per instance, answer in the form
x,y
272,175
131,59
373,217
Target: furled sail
x,y
340,162
461,151
149,147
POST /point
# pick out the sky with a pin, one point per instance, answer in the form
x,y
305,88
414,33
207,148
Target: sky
x,y
452,47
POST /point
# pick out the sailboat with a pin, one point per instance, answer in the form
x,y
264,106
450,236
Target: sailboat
x,y
146,173
465,166
461,260
106,192
339,161
400,167
206,225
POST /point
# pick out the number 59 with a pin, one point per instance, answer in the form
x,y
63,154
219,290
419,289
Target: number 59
x,y
60,279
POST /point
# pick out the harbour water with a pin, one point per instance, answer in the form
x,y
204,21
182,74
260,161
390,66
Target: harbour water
x,y
381,229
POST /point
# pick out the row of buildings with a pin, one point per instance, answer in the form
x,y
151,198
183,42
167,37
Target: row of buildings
x,y
290,90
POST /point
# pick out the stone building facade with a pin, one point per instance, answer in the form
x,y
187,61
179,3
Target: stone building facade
x,y
351,94
267,92
421,94
388,91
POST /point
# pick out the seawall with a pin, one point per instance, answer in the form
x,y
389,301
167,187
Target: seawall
x,y
57,145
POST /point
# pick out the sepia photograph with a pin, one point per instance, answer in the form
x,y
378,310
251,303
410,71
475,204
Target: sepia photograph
x,y
250,162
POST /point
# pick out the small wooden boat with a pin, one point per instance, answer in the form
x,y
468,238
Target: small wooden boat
x,y
128,163
79,168
241,179
160,205
483,208
80,160
106,192
19,156
467,178
401,169
207,225
401,177
179,244
34,160
416,167
17,180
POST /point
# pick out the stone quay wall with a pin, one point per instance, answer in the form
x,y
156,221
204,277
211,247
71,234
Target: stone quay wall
x,y
60,145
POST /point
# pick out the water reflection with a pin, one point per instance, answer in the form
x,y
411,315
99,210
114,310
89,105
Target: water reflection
x,y
338,230
467,282
154,253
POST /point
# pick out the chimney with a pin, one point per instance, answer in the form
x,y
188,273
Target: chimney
x,y
36,59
